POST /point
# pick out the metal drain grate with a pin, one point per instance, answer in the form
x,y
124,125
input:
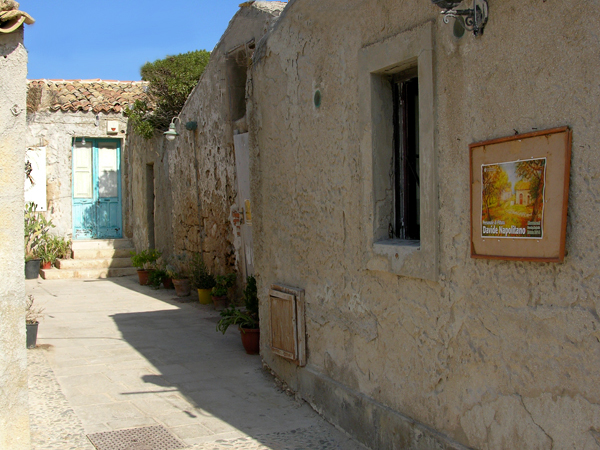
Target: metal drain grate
x,y
146,438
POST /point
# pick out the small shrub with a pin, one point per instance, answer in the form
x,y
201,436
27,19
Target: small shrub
x,y
156,277
146,259
36,228
223,283
200,276
32,315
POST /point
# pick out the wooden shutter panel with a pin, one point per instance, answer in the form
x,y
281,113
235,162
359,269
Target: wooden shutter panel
x,y
288,327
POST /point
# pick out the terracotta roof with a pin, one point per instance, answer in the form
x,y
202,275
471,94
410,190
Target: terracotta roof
x,y
84,95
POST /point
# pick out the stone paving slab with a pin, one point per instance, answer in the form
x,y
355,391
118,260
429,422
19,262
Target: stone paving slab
x,y
115,355
54,425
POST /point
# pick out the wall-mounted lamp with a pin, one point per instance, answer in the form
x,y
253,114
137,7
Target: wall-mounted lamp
x,y
470,19
82,141
172,133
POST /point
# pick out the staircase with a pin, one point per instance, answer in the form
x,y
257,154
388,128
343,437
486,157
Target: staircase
x,y
97,258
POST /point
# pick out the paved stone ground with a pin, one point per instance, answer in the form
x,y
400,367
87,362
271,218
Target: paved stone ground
x,y
114,355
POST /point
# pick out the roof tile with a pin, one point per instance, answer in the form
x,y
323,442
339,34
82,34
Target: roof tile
x,y
84,95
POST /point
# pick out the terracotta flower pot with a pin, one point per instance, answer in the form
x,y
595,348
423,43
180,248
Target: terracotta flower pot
x,y
250,340
143,276
182,287
47,265
220,302
167,283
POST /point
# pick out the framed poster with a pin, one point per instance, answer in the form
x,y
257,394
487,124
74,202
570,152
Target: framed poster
x,y
519,196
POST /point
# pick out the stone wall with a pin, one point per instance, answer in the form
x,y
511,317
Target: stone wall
x,y
485,354
14,419
146,162
55,130
195,179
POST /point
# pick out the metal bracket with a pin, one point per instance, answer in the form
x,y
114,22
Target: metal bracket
x,y
471,19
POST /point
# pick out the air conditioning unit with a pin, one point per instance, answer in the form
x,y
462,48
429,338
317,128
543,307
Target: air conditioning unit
x,y
288,325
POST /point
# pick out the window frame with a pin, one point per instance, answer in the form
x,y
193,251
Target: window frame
x,y
411,50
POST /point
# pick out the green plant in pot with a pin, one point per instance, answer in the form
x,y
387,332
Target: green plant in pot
x,y
177,273
47,257
32,318
155,277
219,291
202,279
247,319
36,227
145,261
52,249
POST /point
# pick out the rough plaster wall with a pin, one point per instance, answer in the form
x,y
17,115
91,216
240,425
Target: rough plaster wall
x,y
14,419
497,354
55,131
212,145
141,152
198,187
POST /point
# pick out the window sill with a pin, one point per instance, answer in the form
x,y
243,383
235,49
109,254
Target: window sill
x,y
401,257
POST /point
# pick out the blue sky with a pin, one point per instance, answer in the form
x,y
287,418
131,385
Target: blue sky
x,y
112,39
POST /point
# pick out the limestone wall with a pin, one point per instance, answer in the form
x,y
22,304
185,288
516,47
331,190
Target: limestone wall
x,y
197,188
55,130
14,419
146,162
486,354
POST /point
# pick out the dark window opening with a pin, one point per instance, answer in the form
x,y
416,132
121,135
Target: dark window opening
x,y
237,66
405,92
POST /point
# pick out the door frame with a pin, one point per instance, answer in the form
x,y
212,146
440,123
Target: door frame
x,y
95,141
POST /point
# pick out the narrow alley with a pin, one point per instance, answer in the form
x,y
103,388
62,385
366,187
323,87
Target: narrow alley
x,y
113,355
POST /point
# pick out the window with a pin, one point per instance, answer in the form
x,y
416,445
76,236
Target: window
x,y
400,183
405,98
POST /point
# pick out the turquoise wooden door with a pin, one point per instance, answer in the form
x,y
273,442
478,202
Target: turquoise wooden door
x,y
97,189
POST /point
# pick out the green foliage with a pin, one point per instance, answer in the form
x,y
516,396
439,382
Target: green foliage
x,y
223,283
170,82
60,246
235,316
200,276
36,228
172,273
146,259
52,248
247,318
251,296
177,268
156,277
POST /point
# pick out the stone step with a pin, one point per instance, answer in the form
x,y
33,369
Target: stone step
x,y
101,244
78,264
62,274
106,253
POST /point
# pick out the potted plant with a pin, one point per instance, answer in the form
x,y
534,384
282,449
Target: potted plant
x,y
47,257
167,280
202,279
32,317
247,320
145,261
36,227
180,280
155,277
219,291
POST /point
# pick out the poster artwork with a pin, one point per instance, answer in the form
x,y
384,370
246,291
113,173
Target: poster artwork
x,y
512,199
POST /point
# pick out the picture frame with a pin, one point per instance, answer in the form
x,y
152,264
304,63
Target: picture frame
x,y
519,196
